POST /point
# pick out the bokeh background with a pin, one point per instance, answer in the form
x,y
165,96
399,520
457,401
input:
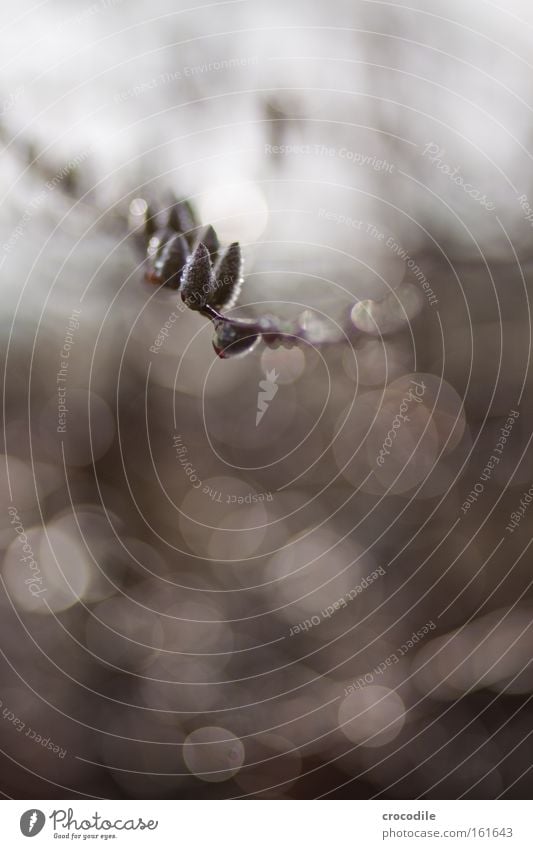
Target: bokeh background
x,y
252,636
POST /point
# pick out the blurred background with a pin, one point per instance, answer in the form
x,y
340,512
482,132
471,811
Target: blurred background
x,y
333,598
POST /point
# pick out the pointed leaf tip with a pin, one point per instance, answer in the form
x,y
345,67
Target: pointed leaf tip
x,y
228,279
210,239
182,219
198,279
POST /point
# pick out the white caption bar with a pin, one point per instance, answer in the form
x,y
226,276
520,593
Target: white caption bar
x,y
262,824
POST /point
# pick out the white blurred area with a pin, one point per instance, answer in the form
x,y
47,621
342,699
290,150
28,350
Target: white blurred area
x,y
165,651
132,90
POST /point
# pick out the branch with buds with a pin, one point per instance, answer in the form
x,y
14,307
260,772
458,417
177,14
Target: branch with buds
x,y
181,255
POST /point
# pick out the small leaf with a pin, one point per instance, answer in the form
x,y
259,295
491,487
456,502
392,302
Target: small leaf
x,y
173,260
210,239
198,279
167,253
150,222
234,340
228,279
182,219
